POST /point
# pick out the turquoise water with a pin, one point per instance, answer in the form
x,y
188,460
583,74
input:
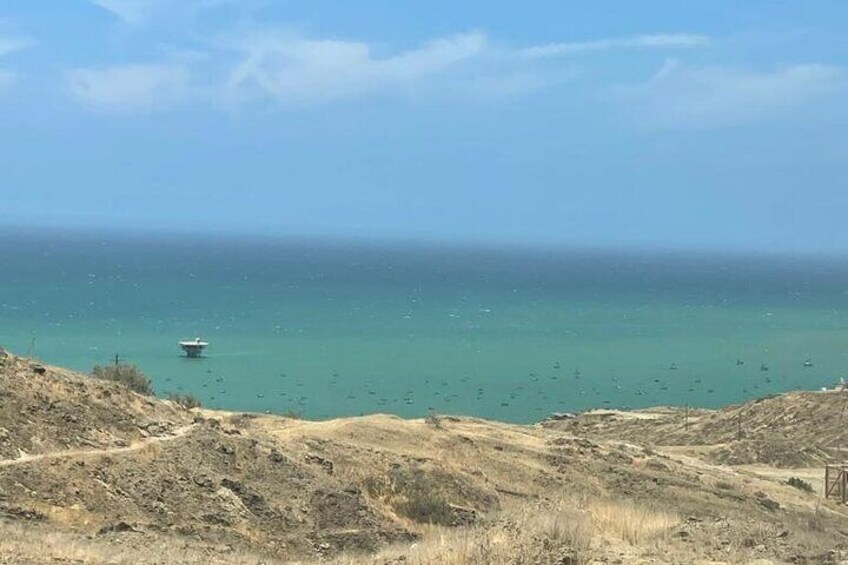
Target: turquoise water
x,y
334,330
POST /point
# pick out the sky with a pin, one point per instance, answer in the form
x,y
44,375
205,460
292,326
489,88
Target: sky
x,y
654,124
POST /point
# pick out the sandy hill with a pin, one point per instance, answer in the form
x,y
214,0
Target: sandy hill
x,y
93,473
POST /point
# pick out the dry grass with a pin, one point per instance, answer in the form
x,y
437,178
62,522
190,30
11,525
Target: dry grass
x,y
635,524
565,532
43,545
541,534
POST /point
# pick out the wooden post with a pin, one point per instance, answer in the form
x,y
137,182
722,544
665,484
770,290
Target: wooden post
x,y
826,481
844,476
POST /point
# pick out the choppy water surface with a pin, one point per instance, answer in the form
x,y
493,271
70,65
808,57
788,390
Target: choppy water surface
x,y
333,330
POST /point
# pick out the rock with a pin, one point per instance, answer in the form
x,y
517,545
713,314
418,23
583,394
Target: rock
x,y
203,481
316,459
462,516
585,443
116,527
656,465
769,504
251,500
23,514
217,519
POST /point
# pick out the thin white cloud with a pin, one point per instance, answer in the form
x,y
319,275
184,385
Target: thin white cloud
x,y
648,41
12,44
294,70
130,11
290,70
679,96
9,45
139,12
129,88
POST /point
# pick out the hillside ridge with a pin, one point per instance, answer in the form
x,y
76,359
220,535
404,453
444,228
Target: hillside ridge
x,y
91,472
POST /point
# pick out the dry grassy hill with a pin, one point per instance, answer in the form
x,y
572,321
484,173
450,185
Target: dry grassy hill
x,y
50,409
93,473
796,429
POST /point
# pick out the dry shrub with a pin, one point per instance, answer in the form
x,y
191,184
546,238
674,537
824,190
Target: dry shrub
x,y
187,401
128,375
634,523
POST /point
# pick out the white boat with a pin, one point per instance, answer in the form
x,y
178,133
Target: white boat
x,y
194,348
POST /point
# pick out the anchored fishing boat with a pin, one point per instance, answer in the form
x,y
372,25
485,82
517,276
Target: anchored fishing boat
x,y
194,348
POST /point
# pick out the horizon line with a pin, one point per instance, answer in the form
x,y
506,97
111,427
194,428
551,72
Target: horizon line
x,y
420,242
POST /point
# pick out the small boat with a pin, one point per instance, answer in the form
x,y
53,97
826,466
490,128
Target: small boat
x,y
194,348
739,362
672,367
808,363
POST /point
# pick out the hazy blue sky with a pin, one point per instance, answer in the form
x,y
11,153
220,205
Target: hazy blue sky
x,y
656,123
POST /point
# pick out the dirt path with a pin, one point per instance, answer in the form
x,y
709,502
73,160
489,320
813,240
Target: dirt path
x,y
137,446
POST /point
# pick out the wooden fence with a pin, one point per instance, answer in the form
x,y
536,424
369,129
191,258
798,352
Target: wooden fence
x,y
836,482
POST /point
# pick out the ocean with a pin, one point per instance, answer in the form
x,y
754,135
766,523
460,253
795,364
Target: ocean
x,y
329,329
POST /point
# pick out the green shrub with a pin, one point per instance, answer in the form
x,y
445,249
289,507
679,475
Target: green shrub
x,y
800,484
128,375
187,401
416,495
427,508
